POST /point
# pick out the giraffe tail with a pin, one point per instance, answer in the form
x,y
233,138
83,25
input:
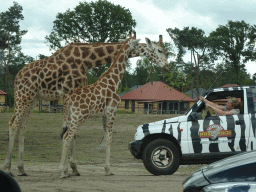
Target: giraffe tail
x,y
64,129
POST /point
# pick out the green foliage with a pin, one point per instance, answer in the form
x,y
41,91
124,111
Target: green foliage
x,y
99,21
235,43
9,26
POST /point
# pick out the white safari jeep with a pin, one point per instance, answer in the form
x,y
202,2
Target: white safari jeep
x,y
197,138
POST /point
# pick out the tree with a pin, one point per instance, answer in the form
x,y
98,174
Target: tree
x,y
10,37
235,44
99,21
194,40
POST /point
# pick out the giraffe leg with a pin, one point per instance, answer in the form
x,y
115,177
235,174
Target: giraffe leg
x,y
12,134
73,163
22,131
14,126
108,123
67,139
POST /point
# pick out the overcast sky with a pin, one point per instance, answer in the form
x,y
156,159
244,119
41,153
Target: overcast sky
x,y
153,17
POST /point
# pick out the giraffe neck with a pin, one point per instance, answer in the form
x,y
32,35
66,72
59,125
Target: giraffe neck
x,y
115,72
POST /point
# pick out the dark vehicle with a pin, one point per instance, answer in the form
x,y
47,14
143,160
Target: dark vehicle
x,y
198,136
236,173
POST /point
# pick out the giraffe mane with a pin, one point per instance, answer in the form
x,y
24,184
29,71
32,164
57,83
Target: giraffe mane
x,y
118,54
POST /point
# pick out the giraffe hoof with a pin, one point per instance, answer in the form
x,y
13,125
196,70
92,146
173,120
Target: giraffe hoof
x,y
23,174
75,174
110,174
64,176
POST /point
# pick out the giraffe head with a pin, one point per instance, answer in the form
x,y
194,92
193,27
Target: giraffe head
x,y
156,53
134,43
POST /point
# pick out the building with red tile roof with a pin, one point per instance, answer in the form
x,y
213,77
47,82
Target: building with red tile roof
x,y
2,98
156,97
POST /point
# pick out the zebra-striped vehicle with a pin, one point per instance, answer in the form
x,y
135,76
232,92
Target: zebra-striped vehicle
x,y
198,136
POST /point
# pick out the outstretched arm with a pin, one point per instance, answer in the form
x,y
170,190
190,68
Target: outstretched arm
x,y
209,103
219,111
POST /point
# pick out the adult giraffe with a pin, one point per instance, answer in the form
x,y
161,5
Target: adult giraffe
x,y
57,76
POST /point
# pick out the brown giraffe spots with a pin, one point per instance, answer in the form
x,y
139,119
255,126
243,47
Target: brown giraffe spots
x,y
115,78
48,79
73,66
100,51
109,93
43,85
110,49
67,52
54,75
121,58
83,112
41,75
76,73
93,56
78,97
88,64
85,52
103,85
116,97
78,61
126,47
51,59
97,92
27,74
87,101
105,80
61,57
120,68
108,59
76,104
98,63
70,60
93,98
76,52
103,92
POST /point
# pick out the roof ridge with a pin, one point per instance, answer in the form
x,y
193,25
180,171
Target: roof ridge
x,y
156,90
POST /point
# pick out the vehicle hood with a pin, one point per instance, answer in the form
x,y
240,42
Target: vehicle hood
x,y
237,168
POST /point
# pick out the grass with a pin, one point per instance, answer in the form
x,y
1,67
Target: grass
x,y
43,143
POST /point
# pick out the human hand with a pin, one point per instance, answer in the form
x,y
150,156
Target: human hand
x,y
201,98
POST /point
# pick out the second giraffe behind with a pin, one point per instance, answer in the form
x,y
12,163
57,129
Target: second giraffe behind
x,y
98,99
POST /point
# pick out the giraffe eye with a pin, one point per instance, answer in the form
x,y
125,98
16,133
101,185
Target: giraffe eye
x,y
160,51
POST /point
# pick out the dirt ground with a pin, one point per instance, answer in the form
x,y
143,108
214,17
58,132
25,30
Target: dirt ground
x,y
43,151
128,177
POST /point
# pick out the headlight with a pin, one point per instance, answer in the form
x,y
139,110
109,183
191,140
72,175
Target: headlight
x,y
226,187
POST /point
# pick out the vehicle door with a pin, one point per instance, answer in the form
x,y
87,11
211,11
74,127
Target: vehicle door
x,y
251,103
218,134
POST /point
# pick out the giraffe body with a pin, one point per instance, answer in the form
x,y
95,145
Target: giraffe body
x,y
98,99
58,76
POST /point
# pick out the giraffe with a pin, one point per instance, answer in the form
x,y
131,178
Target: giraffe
x,y
56,77
99,99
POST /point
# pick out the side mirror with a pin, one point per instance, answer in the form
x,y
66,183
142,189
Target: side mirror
x,y
194,116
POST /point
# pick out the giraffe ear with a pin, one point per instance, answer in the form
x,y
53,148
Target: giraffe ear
x,y
137,40
149,43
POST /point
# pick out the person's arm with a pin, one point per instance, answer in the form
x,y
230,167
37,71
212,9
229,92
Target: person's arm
x,y
220,111
210,104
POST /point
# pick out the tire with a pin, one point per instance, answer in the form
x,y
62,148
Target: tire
x,y
161,157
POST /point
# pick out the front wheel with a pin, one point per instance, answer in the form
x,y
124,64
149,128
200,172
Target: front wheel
x,y
161,157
